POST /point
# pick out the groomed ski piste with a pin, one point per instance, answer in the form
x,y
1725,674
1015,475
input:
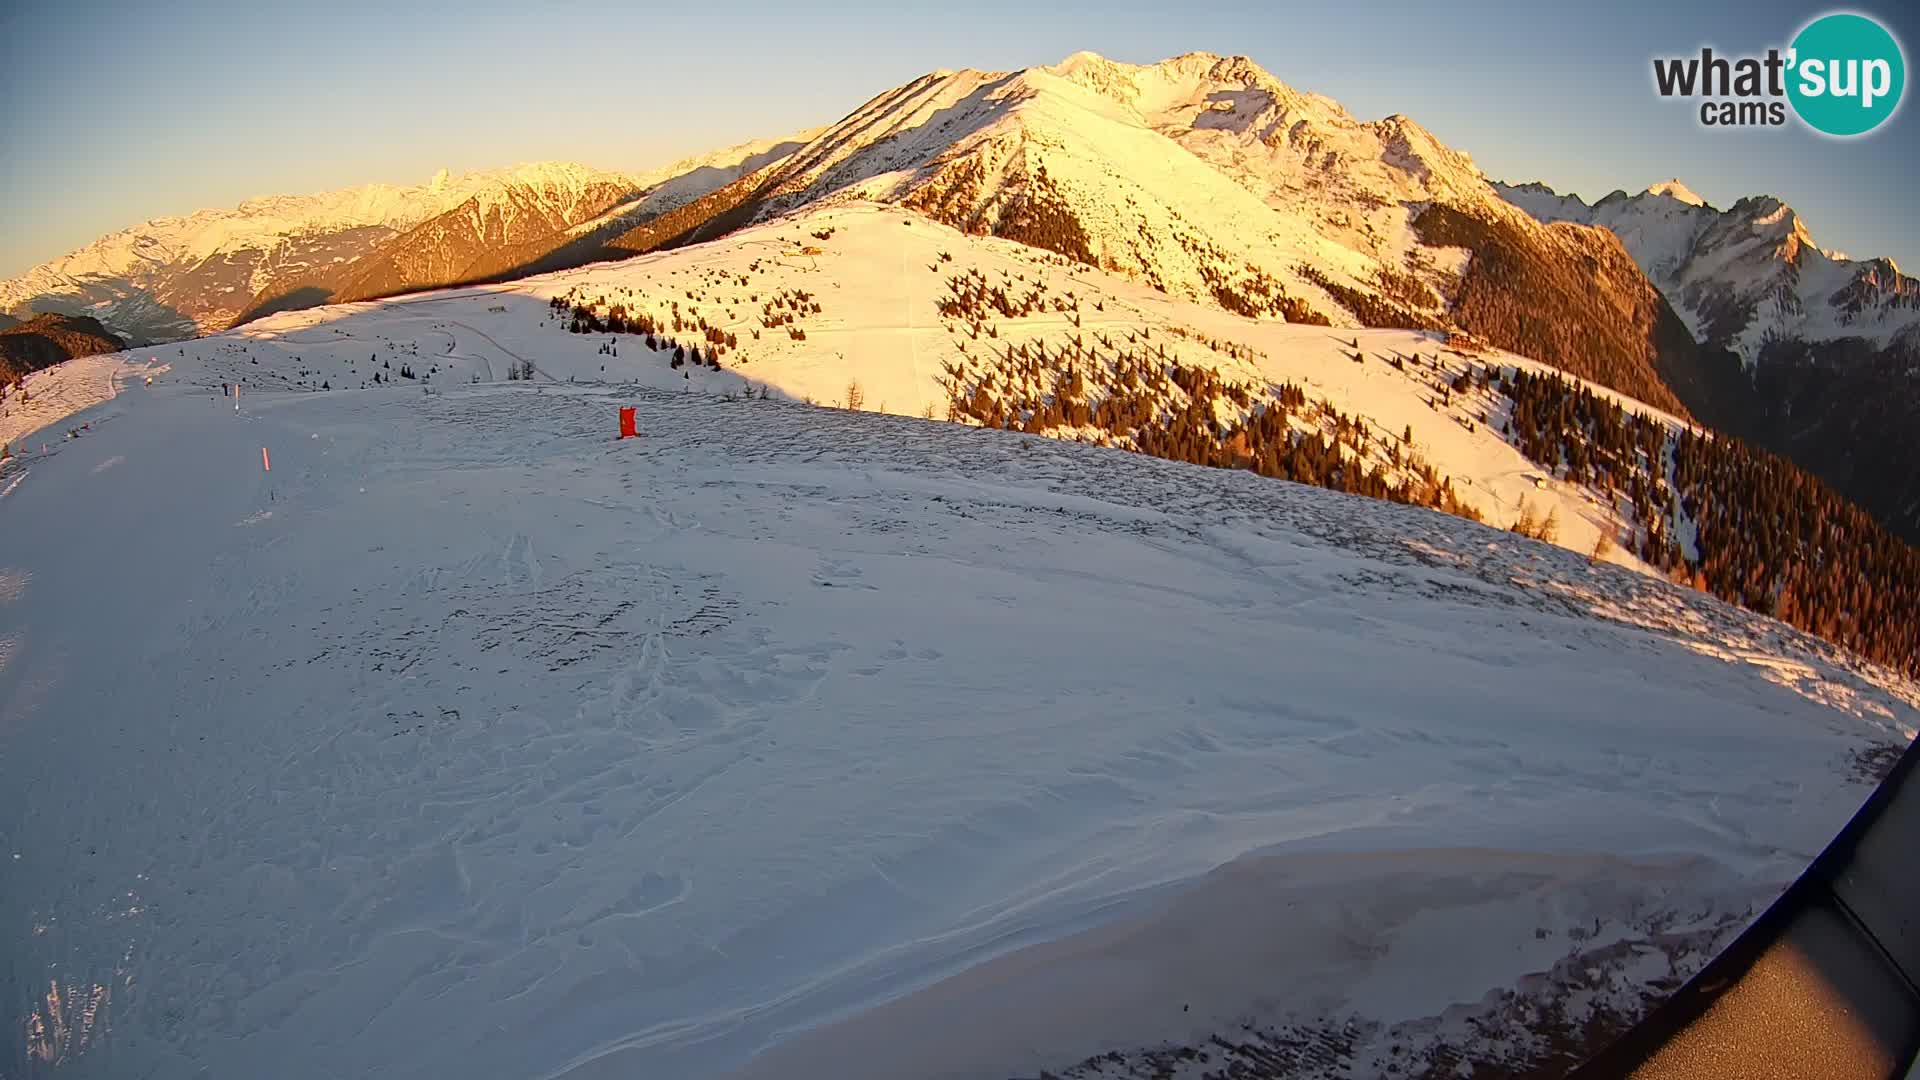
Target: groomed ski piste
x,y
803,742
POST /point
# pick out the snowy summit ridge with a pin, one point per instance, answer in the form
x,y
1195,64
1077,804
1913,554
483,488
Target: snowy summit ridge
x,y
1746,276
178,276
1674,189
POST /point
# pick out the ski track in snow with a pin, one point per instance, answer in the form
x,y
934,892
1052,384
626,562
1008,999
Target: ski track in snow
x,y
79,384
493,747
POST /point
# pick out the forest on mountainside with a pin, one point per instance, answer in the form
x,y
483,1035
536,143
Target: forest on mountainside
x,y
1849,412
1766,534
1572,298
1126,397
48,339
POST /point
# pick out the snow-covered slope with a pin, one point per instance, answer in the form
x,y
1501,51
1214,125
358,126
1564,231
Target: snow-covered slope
x,y
469,741
872,303
689,178
1748,275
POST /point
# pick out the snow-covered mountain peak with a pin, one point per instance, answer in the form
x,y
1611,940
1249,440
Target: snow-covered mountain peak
x,y
1201,176
1297,151
1196,89
551,173
1767,210
1089,66
1442,170
1746,276
1674,189
1778,226
1122,80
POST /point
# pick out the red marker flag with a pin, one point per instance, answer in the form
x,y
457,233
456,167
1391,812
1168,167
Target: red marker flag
x,y
266,463
628,424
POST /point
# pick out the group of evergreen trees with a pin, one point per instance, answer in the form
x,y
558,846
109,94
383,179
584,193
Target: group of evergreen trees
x,y
1370,309
972,297
585,318
1767,535
1042,217
785,308
1247,290
1774,538
1130,398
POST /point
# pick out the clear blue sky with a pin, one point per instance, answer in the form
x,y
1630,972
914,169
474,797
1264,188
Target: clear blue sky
x,y
116,112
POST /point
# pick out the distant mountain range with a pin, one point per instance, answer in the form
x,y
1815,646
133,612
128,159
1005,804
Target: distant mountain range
x,y
1828,347
177,277
1202,176
1748,276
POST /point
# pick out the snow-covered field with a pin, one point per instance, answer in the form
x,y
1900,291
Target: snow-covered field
x,y
471,742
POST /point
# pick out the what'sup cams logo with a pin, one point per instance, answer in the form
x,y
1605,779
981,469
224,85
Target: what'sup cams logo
x,y
1844,75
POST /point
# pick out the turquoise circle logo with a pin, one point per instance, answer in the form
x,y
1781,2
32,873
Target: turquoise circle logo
x,y
1848,74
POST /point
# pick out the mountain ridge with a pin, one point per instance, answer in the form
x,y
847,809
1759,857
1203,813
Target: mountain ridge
x,y
181,275
1826,349
178,275
1747,275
